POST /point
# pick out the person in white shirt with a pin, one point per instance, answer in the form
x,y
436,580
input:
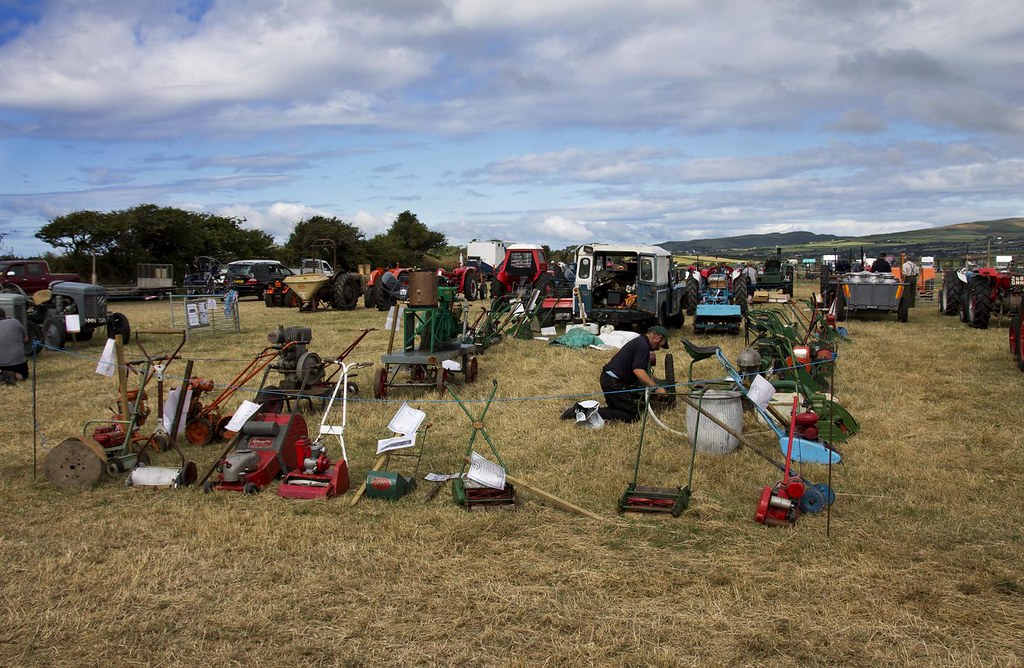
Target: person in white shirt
x,y
910,273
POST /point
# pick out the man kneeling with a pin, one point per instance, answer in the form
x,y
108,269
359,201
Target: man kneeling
x,y
628,370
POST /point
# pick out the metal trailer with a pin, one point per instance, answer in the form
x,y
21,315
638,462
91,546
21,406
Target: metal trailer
x,y
867,292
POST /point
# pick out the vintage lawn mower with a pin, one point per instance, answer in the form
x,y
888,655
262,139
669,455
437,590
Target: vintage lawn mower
x,y
645,499
472,495
162,477
109,445
383,483
263,449
204,422
805,449
316,477
302,372
782,503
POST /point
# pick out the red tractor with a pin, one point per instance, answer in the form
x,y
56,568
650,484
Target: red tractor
x,y
523,268
978,294
386,287
464,278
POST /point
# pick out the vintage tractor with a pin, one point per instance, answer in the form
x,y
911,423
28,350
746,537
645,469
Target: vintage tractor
x,y
776,274
721,300
984,292
464,278
68,298
386,287
525,267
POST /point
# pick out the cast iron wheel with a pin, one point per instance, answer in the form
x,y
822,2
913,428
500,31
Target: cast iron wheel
x,y
903,309
55,335
979,302
418,373
161,443
380,383
198,431
440,378
250,488
117,323
471,290
692,296
1015,333
472,369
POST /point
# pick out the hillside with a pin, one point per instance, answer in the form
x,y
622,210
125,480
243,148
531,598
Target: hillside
x,y
1004,236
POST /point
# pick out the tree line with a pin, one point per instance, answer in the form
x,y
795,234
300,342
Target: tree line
x,y
120,240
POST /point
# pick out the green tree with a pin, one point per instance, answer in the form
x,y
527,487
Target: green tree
x,y
147,234
406,242
350,240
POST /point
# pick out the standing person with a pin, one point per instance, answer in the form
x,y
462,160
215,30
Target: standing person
x,y
627,370
910,273
881,265
751,273
13,338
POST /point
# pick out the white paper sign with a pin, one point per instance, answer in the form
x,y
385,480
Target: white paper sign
x,y
204,318
486,472
73,324
389,323
761,391
441,477
407,420
396,443
193,315
105,367
211,304
171,405
242,414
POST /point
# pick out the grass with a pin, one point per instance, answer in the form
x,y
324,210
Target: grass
x,y
921,565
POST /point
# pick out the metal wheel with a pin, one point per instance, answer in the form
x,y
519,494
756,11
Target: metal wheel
x,y
198,431
250,488
472,369
441,377
272,402
471,289
55,335
112,468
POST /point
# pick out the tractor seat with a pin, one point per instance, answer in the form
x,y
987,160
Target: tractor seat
x,y
697,353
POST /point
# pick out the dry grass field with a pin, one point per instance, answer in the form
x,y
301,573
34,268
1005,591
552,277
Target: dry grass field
x,y
922,564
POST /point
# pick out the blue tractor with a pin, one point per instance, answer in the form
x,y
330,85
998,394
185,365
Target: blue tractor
x,y
719,298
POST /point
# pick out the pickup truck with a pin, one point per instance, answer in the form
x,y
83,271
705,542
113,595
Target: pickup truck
x,y
30,276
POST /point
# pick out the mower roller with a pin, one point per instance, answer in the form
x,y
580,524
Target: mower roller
x,y
315,476
645,499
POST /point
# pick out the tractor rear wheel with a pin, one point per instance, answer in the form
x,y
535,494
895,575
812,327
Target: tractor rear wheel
x,y
692,297
979,302
497,289
369,296
1014,334
949,295
1020,348
739,294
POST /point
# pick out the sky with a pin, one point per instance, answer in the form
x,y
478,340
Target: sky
x,y
557,123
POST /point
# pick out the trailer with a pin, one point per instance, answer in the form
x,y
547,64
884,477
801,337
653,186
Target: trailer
x,y
867,292
153,282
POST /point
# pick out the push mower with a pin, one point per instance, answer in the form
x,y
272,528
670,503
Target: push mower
x,y
315,476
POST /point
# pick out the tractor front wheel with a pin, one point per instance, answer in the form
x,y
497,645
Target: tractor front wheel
x,y
117,323
471,289
55,335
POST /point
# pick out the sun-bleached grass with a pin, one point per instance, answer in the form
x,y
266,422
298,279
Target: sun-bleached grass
x,y
921,567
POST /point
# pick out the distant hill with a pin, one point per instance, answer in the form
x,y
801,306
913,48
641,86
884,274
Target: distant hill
x,y
1004,236
745,242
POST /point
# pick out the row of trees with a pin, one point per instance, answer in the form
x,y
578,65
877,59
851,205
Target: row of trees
x,y
120,240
